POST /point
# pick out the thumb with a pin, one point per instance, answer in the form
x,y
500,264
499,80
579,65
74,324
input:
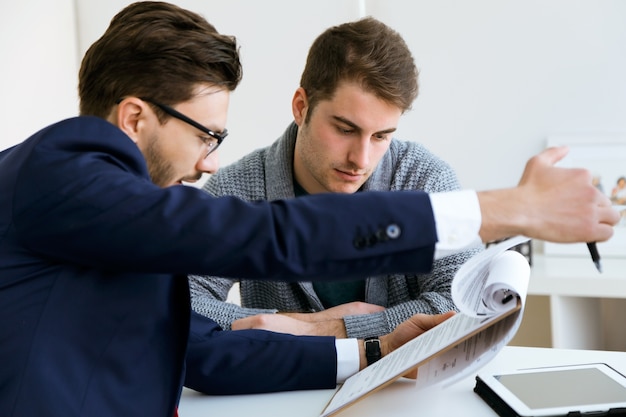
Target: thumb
x,y
548,157
554,154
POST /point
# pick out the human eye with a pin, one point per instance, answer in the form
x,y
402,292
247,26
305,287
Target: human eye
x,y
209,141
381,137
345,130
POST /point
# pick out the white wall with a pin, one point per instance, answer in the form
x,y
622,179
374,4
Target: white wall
x,y
39,69
496,77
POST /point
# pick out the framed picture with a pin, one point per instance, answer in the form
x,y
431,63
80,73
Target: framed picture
x,y
605,157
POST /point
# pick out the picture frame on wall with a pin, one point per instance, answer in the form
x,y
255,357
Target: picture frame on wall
x,y
605,157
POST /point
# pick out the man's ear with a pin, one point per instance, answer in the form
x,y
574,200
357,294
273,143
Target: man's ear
x,y
299,105
131,117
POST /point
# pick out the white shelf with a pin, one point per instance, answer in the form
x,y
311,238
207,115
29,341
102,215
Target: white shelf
x,y
586,306
577,277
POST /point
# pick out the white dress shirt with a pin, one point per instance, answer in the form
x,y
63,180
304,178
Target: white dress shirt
x,y
457,230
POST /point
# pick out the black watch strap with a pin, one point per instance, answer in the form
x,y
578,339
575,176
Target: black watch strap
x,y
372,349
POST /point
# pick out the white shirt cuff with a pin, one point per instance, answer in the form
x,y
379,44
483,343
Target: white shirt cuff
x,y
347,358
457,221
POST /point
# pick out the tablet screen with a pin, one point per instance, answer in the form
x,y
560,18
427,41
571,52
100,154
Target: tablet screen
x,y
564,388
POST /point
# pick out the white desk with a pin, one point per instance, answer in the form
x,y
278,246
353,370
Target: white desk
x,y
586,306
400,398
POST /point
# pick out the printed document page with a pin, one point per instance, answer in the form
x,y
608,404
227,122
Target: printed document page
x,y
489,290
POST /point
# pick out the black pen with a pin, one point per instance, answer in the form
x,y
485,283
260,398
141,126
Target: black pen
x,y
595,256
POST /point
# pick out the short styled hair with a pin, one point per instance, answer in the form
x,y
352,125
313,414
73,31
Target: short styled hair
x,y
157,50
365,51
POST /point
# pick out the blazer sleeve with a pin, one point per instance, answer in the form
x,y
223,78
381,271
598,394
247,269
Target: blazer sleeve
x,y
256,361
96,208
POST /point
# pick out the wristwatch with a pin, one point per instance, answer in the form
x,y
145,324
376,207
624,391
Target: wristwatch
x,y
372,349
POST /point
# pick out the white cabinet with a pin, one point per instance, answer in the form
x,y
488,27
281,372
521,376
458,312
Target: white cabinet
x,y
587,308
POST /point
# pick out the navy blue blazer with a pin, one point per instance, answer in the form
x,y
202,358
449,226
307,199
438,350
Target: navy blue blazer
x,y
94,303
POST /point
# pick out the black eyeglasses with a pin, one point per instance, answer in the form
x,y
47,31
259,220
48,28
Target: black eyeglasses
x,y
212,144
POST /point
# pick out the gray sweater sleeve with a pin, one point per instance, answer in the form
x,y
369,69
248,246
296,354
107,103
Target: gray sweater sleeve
x,y
208,297
412,294
209,293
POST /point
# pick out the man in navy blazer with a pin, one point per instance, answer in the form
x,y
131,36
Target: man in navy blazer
x,y
97,235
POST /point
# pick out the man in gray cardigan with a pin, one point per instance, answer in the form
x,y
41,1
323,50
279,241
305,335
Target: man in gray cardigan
x,y
360,77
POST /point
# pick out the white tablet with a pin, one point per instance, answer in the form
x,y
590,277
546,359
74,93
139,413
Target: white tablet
x,y
555,391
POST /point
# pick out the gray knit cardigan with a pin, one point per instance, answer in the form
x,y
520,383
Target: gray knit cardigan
x,y
267,174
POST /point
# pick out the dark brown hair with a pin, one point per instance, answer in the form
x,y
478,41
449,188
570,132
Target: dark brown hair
x,y
157,50
365,51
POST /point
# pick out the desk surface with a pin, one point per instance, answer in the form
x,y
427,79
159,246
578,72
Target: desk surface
x,y
398,399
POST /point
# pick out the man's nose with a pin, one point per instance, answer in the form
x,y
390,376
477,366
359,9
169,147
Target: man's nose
x,y
209,164
359,154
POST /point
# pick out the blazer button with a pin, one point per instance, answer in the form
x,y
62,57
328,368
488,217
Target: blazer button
x,y
359,242
381,235
372,240
393,231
